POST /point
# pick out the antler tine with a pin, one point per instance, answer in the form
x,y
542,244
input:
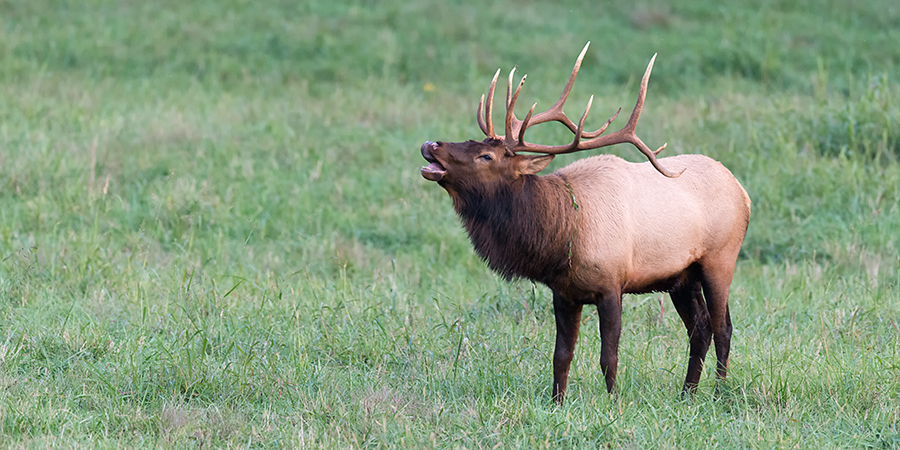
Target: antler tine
x,y
603,128
479,118
642,93
488,129
511,121
580,131
512,73
525,125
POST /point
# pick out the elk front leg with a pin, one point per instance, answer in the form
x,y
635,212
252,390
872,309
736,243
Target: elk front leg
x,y
609,309
568,321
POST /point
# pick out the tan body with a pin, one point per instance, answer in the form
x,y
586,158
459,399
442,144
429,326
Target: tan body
x,y
636,228
599,227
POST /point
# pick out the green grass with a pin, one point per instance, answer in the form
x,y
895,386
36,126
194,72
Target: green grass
x,y
213,232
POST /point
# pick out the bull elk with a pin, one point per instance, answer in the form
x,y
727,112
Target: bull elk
x,y
599,227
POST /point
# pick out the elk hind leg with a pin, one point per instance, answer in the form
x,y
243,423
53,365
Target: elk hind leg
x,y
689,303
716,287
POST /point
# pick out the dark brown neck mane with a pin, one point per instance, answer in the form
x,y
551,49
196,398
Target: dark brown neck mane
x,y
523,229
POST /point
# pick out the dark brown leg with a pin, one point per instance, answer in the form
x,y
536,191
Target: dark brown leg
x,y
715,290
689,303
568,321
609,309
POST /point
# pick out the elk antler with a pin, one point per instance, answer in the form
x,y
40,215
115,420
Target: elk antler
x,y
514,139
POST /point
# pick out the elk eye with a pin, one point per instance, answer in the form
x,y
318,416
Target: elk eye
x,y
486,158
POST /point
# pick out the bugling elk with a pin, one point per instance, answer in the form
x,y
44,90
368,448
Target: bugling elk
x,y
599,227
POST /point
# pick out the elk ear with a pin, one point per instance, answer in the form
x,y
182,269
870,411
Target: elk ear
x,y
532,164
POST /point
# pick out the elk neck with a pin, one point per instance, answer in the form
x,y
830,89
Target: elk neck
x,y
523,228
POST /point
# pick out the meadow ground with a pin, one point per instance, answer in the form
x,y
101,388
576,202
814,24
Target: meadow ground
x,y
213,231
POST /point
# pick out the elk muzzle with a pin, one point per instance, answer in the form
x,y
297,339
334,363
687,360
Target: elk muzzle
x,y
434,171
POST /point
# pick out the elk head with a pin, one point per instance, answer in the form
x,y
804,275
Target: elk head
x,y
457,166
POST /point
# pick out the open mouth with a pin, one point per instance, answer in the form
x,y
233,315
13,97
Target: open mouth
x,y
434,171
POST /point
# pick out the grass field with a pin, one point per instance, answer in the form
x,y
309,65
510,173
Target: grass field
x,y
213,231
